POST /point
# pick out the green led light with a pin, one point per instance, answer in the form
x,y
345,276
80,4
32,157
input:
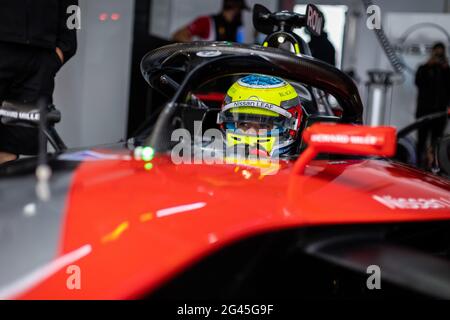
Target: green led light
x,y
148,154
148,166
144,153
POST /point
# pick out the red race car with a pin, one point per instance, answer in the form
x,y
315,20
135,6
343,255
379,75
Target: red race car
x,y
313,208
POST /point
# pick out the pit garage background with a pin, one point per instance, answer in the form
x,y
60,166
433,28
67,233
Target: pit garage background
x,y
103,98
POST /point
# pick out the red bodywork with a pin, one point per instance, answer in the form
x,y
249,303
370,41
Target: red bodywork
x,y
139,236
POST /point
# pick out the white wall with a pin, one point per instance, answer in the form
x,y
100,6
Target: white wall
x,y
170,15
363,55
92,88
367,51
404,98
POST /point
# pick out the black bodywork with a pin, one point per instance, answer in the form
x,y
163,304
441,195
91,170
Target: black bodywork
x,y
323,262
178,69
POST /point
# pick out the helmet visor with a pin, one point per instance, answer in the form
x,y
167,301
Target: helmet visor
x,y
245,118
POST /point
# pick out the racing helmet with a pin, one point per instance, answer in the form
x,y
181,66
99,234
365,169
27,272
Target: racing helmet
x,y
262,112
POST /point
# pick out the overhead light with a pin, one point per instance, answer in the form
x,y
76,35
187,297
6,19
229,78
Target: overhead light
x,y
115,16
103,16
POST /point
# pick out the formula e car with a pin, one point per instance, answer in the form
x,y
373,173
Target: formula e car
x,y
335,218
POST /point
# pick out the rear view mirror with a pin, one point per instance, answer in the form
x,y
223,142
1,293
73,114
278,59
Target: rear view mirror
x,y
261,19
346,139
267,22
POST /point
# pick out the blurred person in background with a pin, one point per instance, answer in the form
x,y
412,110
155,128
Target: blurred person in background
x,y
433,83
223,26
35,42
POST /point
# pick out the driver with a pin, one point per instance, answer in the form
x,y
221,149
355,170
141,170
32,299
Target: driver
x,y
262,114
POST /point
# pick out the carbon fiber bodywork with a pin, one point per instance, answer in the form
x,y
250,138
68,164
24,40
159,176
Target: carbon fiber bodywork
x,y
241,59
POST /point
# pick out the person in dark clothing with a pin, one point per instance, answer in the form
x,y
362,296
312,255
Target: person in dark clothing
x,y
433,83
35,42
323,49
221,27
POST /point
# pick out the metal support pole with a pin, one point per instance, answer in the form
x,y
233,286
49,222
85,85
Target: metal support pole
x,y
379,87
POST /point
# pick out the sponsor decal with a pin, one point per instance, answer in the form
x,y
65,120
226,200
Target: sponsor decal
x,y
413,203
344,139
28,116
314,20
257,104
209,54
